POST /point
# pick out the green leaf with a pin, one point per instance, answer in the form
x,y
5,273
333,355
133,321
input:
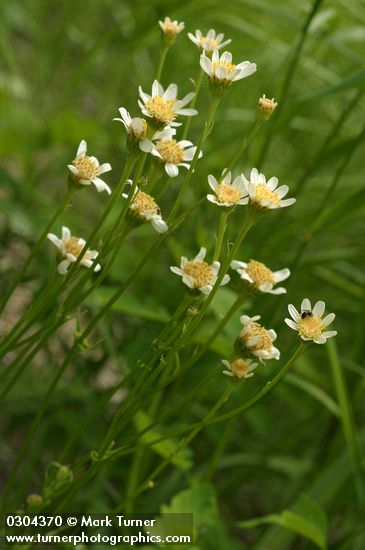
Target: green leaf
x,y
307,519
131,305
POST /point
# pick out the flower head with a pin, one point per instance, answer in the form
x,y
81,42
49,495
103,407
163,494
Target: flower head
x,y
86,170
226,193
171,29
266,107
69,250
257,339
209,42
137,131
174,153
310,323
198,274
144,208
163,106
266,194
239,368
222,72
261,277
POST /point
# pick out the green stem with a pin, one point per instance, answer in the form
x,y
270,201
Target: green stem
x,y
165,48
62,207
198,84
347,420
204,134
221,232
242,148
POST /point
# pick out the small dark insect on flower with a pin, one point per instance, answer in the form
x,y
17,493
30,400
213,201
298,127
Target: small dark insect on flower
x,y
306,313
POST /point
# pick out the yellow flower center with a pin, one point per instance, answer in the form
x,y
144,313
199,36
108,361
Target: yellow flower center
x,y
74,247
311,326
201,272
259,273
263,193
240,368
170,151
171,28
88,169
208,44
228,193
143,202
267,105
161,109
229,66
255,329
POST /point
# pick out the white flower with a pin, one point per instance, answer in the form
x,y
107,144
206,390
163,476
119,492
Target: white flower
x,y
240,368
70,249
309,322
137,130
144,208
171,27
163,106
260,276
257,339
174,154
227,193
210,42
86,170
197,274
266,194
266,107
221,69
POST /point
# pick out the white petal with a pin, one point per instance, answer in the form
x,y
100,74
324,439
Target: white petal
x,y
306,305
236,264
319,308
328,319
291,324
66,234
172,170
63,267
281,275
101,185
213,184
55,240
206,65
82,148
170,92
73,169
329,333
201,254
146,145
293,312
106,167
157,89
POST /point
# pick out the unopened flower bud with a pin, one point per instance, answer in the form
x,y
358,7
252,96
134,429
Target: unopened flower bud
x,y
266,107
34,501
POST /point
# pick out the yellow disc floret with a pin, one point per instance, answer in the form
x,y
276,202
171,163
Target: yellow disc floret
x,y
255,329
310,327
240,368
259,273
264,193
161,109
170,151
143,202
228,193
200,272
87,167
73,246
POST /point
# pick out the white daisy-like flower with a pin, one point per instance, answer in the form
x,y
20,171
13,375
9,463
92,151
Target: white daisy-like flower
x,y
144,208
257,339
198,274
221,70
163,106
310,323
266,194
137,130
226,193
86,170
174,154
70,248
239,368
260,276
209,42
169,27
266,107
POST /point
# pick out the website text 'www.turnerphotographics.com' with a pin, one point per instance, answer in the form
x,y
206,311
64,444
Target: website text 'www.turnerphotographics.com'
x,y
89,529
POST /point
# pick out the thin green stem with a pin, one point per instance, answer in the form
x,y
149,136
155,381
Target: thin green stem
x,y
221,232
242,148
198,84
347,420
163,53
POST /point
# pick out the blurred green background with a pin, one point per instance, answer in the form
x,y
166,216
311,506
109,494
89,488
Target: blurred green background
x,y
66,67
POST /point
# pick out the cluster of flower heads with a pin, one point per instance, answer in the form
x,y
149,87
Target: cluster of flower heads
x,y
156,135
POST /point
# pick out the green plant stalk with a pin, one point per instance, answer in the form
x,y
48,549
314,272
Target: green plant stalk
x,y
242,148
198,84
221,232
214,102
183,443
62,207
163,53
347,420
